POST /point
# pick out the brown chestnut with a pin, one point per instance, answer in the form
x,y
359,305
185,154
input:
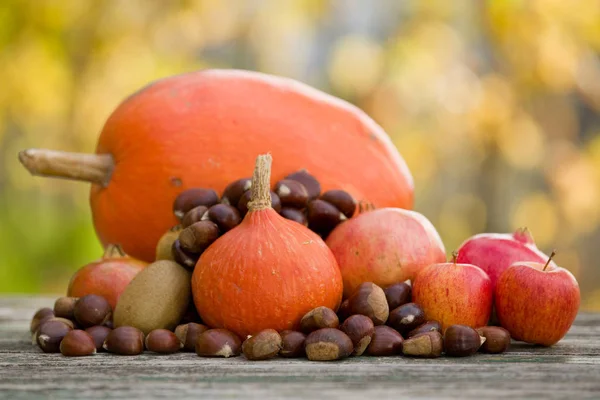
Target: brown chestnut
x,y
294,214
369,299
406,317
312,185
194,215
50,334
92,310
245,199
262,346
182,257
64,307
198,236
292,344
318,318
344,310
461,341
225,216
188,335
124,340
235,190
497,339
398,294
328,344
428,326
77,343
385,342
427,345
40,315
291,193
162,341
99,334
341,200
192,198
218,343
359,329
323,216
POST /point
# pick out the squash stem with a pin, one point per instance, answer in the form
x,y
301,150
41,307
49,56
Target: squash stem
x,y
260,195
94,168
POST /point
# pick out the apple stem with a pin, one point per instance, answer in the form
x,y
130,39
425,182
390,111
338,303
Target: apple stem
x,y
454,256
549,259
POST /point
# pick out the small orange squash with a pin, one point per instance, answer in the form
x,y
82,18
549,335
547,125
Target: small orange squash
x,y
204,129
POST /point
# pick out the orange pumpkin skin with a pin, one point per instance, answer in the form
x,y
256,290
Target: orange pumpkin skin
x,y
204,129
106,278
235,295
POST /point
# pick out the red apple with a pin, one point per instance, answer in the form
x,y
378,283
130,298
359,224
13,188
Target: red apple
x,y
536,302
454,293
384,246
495,252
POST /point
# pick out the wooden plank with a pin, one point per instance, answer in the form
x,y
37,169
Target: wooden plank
x,y
569,369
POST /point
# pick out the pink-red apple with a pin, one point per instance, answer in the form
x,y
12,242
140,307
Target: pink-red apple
x,y
384,246
536,302
453,293
495,252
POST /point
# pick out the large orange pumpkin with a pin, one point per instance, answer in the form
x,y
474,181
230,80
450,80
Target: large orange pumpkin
x,y
204,129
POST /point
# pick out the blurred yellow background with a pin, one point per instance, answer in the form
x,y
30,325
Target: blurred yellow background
x,y
494,105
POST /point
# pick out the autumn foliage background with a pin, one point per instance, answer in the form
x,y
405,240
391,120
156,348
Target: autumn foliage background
x,y
494,105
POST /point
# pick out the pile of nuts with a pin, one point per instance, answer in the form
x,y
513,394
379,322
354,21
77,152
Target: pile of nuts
x,y
204,217
364,324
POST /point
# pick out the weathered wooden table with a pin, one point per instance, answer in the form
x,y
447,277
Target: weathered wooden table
x,y
570,369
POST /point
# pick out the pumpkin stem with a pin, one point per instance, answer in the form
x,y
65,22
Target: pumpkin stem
x,y
260,195
114,251
94,168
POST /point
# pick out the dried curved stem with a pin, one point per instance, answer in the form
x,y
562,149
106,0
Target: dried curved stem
x,y
94,168
260,195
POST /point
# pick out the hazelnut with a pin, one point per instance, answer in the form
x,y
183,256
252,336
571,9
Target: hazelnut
x,y
359,329
218,343
188,335
312,185
344,310
92,310
398,294
428,326
291,193
225,216
234,191
323,216
99,334
294,214
165,243
77,343
497,339
262,346
194,215
369,299
125,340
406,317
162,341
64,307
328,344
198,236
292,344
182,257
40,315
341,200
50,334
192,198
245,199
385,342
427,345
320,317
461,341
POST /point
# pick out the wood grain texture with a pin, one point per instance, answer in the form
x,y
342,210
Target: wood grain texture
x,y
570,369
